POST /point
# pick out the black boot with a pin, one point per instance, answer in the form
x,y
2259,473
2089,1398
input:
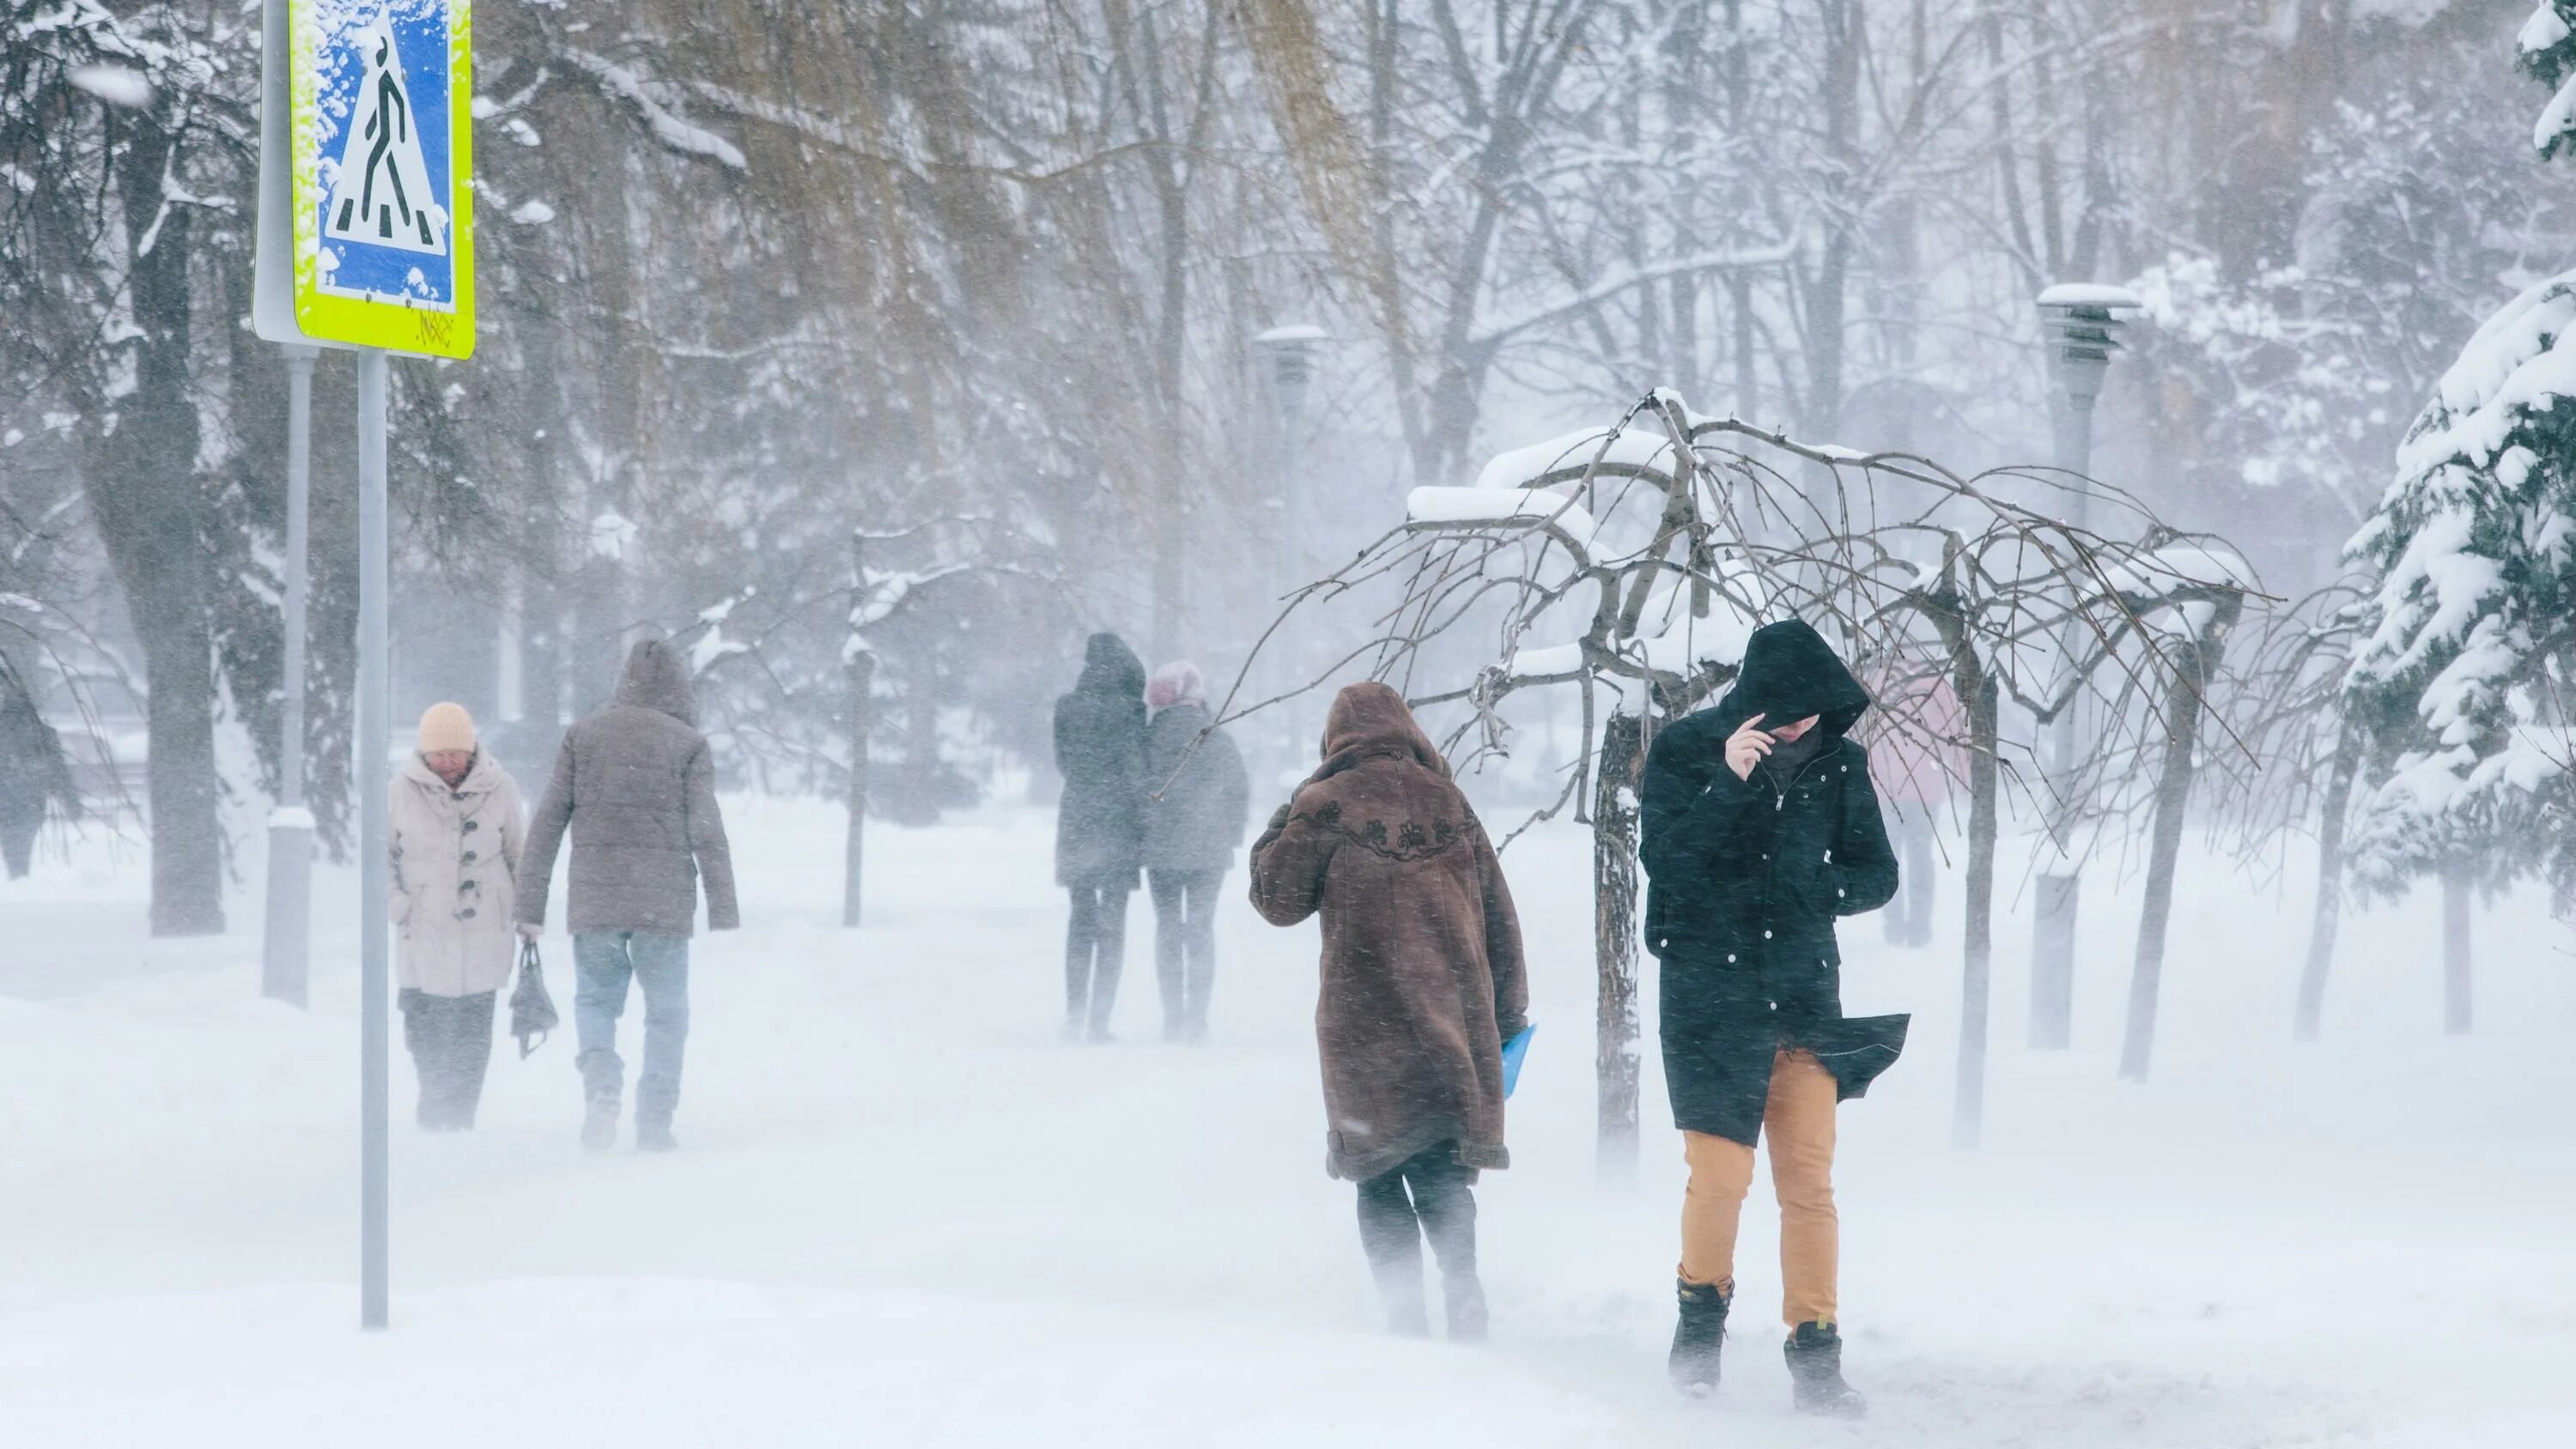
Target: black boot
x,y
1463,1294
1399,1289
1815,1354
1698,1337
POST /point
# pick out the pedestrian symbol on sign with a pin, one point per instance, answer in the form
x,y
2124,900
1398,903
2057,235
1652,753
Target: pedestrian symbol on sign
x,y
380,192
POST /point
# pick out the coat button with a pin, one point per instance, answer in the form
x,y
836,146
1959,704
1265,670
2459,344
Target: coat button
x,y
464,886
1730,958
469,857
473,824
466,914
1766,935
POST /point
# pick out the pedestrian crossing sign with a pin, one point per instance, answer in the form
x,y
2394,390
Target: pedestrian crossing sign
x,y
381,107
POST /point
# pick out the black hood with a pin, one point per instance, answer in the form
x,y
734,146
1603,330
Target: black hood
x,y
1110,667
1789,673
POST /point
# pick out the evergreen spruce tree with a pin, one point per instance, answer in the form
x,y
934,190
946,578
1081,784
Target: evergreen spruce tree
x,y
2461,685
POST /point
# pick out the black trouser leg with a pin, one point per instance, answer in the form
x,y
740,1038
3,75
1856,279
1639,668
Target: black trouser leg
x,y
1081,940
1200,899
420,1039
450,1041
1171,926
1392,1237
1111,957
469,1058
1446,1204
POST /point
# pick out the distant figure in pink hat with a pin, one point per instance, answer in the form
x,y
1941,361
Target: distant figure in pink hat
x,y
456,830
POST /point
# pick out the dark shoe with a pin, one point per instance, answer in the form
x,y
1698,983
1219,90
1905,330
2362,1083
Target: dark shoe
x,y
1463,1295
1408,1314
1815,1354
1408,1317
655,1137
599,1124
1699,1336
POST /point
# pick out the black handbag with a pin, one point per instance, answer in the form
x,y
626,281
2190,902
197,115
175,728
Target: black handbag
x,y
532,1011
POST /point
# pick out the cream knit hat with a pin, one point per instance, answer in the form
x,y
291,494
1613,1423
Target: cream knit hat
x,y
446,726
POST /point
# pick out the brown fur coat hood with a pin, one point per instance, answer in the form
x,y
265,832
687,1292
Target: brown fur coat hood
x,y
1422,971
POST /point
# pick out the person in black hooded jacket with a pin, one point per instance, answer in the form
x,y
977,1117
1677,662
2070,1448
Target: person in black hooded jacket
x,y
1099,825
1760,830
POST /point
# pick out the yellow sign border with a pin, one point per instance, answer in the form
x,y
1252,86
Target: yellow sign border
x,y
366,322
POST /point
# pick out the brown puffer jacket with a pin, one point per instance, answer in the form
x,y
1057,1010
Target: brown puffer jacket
x,y
1422,952
635,786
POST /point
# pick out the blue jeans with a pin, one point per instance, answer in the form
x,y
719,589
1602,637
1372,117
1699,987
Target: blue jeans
x,y
603,963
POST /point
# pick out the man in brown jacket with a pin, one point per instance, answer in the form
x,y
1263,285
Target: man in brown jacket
x,y
1422,986
635,787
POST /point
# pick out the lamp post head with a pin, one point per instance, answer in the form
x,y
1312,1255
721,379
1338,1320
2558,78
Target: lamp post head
x,y
1291,353
2082,323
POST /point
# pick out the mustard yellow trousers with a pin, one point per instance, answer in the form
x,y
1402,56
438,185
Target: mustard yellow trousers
x,y
1798,1128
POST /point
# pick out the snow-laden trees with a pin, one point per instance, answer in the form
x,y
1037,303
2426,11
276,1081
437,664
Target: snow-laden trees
x,y
2460,680
127,155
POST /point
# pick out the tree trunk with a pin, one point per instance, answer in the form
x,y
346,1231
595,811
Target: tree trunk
x,y
1985,713
921,740
1614,941
187,838
863,676
2196,663
150,512
2052,964
2455,951
1828,300
2329,907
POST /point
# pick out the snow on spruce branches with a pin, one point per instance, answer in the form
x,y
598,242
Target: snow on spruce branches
x,y
2461,680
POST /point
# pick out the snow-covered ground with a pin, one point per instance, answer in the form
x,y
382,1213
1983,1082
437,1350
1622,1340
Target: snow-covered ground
x,y
907,1215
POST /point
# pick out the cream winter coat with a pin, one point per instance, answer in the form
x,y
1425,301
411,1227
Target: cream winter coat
x,y
454,856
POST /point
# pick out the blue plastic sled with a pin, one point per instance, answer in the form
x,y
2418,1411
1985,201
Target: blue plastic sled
x,y
1513,1052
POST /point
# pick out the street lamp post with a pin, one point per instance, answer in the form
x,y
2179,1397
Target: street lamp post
x,y
284,950
1290,353
2081,324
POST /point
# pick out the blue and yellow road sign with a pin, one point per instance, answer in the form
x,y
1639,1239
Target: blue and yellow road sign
x,y
381,108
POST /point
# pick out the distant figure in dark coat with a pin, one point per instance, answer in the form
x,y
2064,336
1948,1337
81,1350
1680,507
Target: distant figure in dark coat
x,y
1423,983
1759,830
1196,800
1099,825
34,775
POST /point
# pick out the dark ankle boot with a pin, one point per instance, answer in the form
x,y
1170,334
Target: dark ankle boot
x,y
1408,1313
1464,1296
1698,1336
1815,1354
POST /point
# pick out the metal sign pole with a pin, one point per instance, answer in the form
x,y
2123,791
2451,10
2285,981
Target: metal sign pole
x,y
348,93
285,950
375,699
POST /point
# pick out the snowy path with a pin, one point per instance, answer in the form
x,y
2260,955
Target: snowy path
x,y
907,1215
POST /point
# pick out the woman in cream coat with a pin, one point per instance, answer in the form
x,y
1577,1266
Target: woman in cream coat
x,y
457,825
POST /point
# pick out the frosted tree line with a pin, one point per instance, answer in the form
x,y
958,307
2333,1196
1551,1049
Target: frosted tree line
x,y
830,338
